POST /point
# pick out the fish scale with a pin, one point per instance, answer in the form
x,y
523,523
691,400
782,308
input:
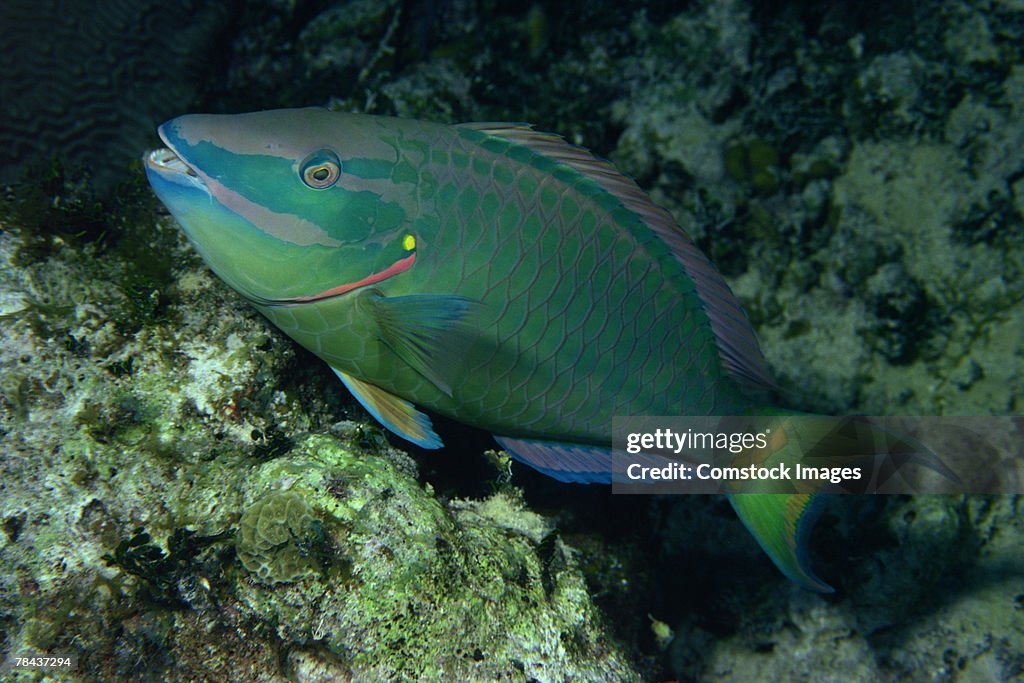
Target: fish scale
x,y
542,347
486,272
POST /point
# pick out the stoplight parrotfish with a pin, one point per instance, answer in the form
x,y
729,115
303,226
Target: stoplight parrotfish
x,y
487,272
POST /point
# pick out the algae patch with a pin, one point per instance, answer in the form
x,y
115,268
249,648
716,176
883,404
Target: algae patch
x,y
410,588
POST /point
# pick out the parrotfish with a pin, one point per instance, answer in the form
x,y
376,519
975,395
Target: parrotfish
x,y
486,272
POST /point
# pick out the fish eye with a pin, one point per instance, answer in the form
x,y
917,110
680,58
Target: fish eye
x,y
321,169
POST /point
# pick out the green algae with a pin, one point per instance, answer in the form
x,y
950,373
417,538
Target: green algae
x,y
427,592
144,444
160,570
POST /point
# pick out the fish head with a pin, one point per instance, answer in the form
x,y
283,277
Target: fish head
x,y
289,205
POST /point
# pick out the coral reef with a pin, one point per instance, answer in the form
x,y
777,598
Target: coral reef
x,y
854,250
120,433
410,589
854,169
276,537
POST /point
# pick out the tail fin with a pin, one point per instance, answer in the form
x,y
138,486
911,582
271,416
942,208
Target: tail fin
x,y
781,523
781,517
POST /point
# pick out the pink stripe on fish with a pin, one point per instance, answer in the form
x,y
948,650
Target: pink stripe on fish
x,y
394,269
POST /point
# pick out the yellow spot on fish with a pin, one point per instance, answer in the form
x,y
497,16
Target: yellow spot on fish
x,y
409,242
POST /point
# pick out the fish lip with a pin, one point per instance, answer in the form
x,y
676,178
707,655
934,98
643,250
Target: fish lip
x,y
168,162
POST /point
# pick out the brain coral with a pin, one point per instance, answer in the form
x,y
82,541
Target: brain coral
x,y
274,536
88,81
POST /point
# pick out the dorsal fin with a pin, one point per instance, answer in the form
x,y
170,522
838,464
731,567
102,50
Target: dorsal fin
x,y
737,344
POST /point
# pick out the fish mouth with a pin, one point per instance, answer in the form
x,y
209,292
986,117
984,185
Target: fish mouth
x,y
168,164
164,159
165,164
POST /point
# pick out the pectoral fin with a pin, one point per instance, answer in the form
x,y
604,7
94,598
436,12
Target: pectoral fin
x,y
430,332
393,412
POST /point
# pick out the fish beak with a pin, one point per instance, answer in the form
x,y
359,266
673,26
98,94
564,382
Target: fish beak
x,y
165,160
168,166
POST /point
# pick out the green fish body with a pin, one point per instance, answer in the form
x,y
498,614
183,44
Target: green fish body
x,y
486,272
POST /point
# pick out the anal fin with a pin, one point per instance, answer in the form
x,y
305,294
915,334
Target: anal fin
x,y
568,462
395,413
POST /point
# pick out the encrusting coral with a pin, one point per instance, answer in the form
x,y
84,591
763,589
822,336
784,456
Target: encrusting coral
x,y
274,536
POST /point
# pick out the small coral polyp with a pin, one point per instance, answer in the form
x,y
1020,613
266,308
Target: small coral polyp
x,y
271,536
